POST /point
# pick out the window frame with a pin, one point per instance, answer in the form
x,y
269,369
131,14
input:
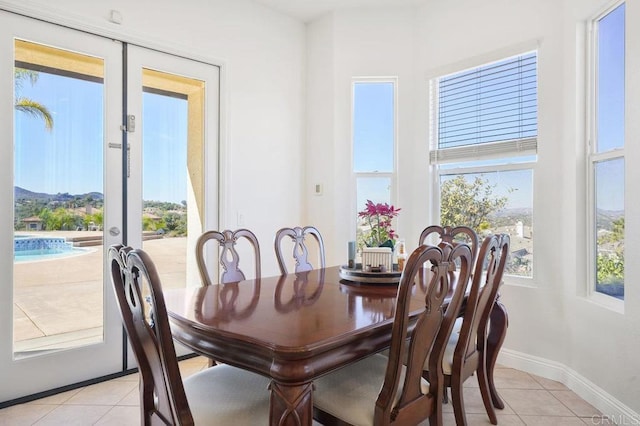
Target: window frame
x,y
593,158
391,175
508,150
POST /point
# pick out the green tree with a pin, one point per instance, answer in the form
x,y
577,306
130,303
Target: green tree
x,y
46,216
617,228
468,203
171,220
150,224
59,219
27,105
175,223
96,218
610,268
473,203
610,261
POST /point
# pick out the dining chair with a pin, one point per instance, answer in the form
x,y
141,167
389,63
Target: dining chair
x,y
451,235
384,390
298,237
220,395
465,352
439,235
229,257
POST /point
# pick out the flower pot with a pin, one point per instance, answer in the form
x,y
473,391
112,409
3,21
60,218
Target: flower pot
x,y
378,259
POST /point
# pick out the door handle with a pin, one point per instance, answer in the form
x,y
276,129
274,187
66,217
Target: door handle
x,y
114,231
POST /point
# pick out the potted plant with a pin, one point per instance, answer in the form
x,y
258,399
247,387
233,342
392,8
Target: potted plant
x,y
380,237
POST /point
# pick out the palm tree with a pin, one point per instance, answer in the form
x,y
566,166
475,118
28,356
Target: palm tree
x,y
29,105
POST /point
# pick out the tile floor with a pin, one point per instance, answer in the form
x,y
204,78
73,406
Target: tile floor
x,y
530,400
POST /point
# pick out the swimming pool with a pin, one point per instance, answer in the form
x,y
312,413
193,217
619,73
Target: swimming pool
x,y
28,248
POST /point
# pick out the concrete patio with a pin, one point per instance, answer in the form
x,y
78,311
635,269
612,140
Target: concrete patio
x,y
58,303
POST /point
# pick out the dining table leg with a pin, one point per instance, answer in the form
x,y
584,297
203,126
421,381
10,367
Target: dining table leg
x,y
291,405
499,322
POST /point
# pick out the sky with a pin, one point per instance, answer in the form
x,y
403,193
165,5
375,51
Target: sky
x,y
373,137
373,132
610,109
70,157
164,126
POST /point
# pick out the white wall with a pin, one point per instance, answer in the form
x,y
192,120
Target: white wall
x,y
321,154
262,55
555,329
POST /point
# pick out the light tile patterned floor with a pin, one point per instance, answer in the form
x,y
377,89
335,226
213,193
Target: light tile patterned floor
x,y
530,400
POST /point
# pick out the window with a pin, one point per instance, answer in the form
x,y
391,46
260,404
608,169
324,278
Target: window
x,y
607,153
373,139
484,145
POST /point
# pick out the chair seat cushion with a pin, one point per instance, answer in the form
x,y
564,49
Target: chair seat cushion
x,y
225,395
350,393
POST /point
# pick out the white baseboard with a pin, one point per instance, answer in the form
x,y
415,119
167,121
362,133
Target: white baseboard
x,y
610,407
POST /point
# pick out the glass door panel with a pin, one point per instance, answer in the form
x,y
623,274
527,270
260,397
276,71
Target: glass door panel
x,y
172,164
59,199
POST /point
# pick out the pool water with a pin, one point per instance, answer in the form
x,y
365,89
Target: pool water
x,y
45,254
28,248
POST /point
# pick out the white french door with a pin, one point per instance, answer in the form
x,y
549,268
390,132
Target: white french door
x,y
73,192
173,175
58,322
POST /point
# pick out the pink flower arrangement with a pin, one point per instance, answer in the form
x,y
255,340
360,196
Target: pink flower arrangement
x,y
378,217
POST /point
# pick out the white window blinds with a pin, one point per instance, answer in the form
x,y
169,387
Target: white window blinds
x,y
488,111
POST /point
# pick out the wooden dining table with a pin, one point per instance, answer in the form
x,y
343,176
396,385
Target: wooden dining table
x,y
296,327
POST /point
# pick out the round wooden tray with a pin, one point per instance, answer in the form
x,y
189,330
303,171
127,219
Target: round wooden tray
x,y
357,275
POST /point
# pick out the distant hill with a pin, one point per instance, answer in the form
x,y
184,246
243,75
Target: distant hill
x,y
25,194
522,211
508,217
605,218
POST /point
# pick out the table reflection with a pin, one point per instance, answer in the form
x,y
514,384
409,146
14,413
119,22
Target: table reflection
x,y
375,301
298,290
215,304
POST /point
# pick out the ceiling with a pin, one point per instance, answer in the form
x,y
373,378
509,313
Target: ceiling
x,y
307,10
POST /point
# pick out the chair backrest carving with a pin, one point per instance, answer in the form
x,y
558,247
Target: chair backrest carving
x,y
138,291
406,403
452,235
298,236
229,257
